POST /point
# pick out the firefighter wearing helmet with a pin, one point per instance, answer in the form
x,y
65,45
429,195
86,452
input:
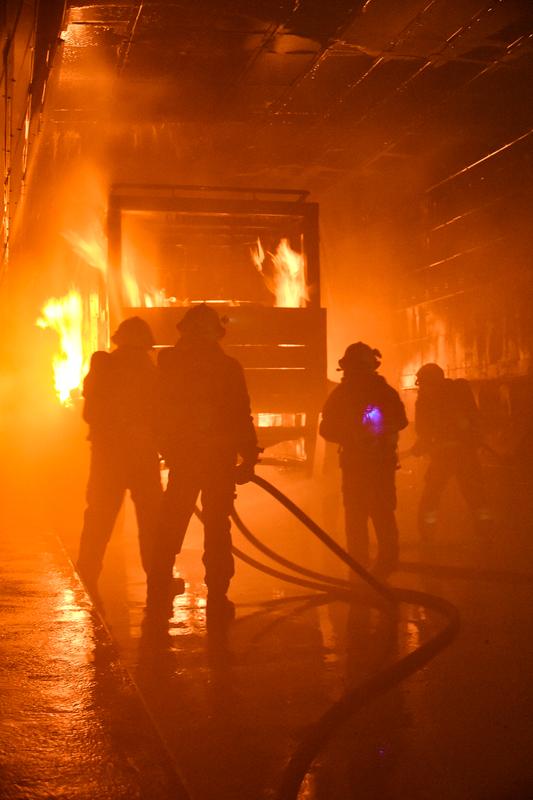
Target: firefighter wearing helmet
x,y
205,429
448,433
119,407
364,415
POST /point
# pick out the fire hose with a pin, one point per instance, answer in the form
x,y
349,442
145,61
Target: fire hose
x,y
308,749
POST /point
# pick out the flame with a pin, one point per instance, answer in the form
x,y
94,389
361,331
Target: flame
x,y
288,281
408,376
258,256
441,346
80,333
135,296
131,289
267,419
92,250
291,289
64,315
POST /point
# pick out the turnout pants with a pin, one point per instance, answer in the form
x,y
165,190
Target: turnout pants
x,y
114,470
214,481
369,492
459,461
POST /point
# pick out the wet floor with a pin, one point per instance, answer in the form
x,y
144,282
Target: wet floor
x,y
109,704
73,723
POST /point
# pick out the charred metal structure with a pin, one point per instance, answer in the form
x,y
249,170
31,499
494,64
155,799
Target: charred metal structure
x,y
201,239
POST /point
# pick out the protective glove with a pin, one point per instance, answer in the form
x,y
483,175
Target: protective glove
x,y
244,472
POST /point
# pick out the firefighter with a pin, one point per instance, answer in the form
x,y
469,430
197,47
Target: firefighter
x,y
119,407
205,428
448,432
364,415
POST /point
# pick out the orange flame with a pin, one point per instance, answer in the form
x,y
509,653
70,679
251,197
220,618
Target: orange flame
x,y
136,297
64,315
78,336
280,420
93,252
288,281
258,256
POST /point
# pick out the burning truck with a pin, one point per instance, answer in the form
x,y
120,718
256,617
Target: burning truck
x,y
253,254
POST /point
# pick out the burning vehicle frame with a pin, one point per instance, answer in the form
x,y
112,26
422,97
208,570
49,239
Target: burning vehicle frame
x,y
206,241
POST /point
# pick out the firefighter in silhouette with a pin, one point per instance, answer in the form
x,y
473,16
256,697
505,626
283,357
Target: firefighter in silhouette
x,y
206,428
119,393
364,415
448,432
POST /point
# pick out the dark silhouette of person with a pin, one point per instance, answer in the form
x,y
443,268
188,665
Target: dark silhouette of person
x,y
364,415
448,432
205,425
120,393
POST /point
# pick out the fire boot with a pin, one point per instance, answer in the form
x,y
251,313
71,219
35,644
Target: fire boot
x,y
160,594
219,608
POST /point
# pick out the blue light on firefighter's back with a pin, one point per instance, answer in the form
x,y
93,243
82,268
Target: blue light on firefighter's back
x,y
373,420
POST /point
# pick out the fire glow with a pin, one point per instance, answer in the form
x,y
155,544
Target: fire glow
x,y
64,315
280,420
93,252
134,296
287,282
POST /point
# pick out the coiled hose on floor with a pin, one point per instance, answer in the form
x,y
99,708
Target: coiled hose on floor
x,y
310,746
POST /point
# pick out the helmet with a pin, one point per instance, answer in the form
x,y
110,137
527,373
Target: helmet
x,y
202,321
133,332
429,374
360,356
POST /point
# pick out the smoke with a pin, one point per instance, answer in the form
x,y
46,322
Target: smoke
x,y
368,241
390,275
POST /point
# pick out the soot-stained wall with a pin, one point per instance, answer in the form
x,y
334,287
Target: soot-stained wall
x,y
467,303
29,34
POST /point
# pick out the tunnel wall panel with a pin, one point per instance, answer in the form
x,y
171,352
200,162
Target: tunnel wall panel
x,y
468,305
29,33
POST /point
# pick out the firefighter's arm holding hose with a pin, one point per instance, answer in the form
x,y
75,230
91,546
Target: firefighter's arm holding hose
x,y
246,438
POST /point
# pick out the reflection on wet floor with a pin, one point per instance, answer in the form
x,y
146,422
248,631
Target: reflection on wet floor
x,y
73,725
120,705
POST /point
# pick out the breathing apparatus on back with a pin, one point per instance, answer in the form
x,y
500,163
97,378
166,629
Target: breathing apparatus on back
x,y
359,362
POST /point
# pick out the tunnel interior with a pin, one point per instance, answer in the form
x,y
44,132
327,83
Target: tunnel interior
x,y
378,155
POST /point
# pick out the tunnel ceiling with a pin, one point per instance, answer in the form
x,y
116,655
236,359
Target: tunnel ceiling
x,y
303,91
